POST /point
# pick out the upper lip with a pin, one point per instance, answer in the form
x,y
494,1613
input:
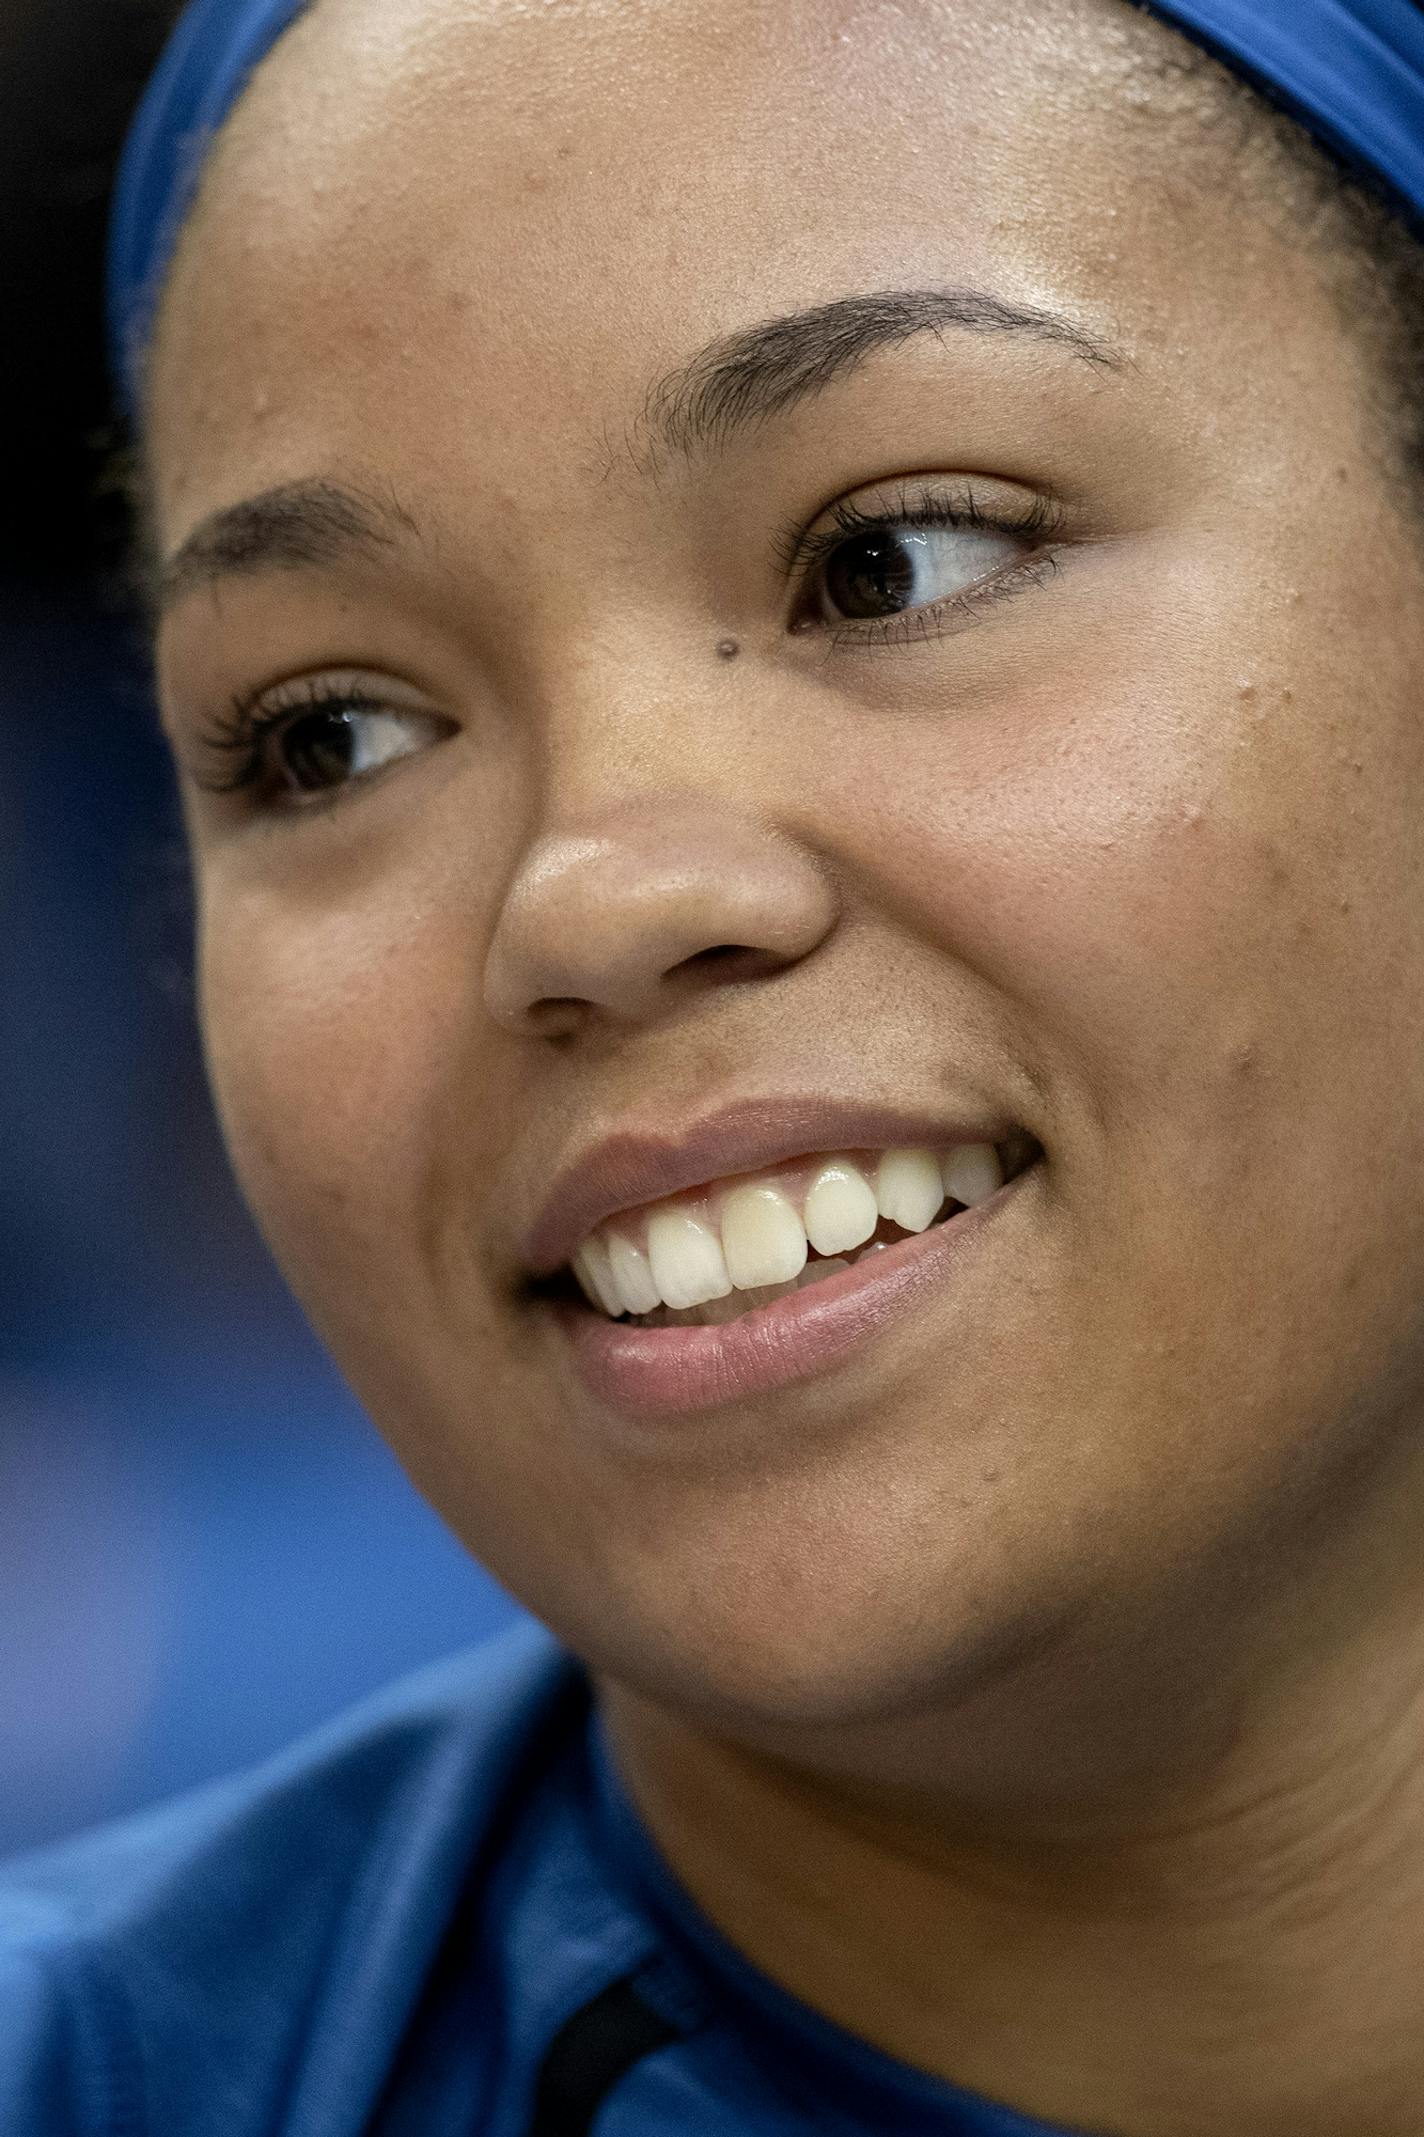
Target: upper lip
x,y
625,1170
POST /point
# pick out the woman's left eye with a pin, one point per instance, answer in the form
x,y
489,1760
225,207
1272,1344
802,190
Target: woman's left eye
x,y
890,568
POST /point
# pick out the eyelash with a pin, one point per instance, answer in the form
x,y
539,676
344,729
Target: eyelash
x,y
243,733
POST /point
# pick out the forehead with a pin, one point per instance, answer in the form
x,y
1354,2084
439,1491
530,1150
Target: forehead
x,y
427,211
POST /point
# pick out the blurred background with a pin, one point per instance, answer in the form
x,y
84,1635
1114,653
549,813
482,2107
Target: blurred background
x,y
204,1547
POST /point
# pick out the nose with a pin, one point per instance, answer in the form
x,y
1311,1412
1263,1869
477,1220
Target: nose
x,y
661,895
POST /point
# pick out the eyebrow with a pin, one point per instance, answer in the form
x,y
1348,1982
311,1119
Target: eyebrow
x,y
729,388
744,379
296,526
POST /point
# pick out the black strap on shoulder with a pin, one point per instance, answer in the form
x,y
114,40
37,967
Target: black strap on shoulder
x,y
589,2054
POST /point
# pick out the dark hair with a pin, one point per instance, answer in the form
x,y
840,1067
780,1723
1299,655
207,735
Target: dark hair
x,y
1368,241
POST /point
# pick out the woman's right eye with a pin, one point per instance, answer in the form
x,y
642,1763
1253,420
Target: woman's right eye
x,y
323,744
331,748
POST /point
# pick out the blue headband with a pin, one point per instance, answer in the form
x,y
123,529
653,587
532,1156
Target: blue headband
x,y
1352,71
208,63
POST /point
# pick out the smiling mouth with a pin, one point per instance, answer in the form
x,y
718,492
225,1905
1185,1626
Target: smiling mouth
x,y
680,1265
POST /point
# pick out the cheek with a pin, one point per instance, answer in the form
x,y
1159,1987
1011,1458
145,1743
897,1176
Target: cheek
x,y
334,1040
1181,857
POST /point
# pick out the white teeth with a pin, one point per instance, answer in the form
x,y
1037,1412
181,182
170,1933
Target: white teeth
x,y
909,1188
632,1276
753,1241
686,1260
972,1173
763,1239
841,1210
738,1303
591,1267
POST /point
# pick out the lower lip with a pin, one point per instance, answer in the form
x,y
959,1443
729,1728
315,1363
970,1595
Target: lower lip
x,y
669,1372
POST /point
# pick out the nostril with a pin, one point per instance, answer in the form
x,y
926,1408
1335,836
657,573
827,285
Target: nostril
x,y
718,950
754,962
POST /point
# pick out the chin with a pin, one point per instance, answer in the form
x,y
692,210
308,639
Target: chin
x,y
783,1678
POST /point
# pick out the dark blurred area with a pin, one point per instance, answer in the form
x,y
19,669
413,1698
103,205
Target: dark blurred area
x,y
71,73
204,1546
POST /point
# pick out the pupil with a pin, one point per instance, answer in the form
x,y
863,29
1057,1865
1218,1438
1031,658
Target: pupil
x,y
321,749
871,576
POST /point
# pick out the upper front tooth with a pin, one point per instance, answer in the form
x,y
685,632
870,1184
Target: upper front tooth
x,y
841,1209
686,1260
972,1173
763,1239
632,1275
909,1188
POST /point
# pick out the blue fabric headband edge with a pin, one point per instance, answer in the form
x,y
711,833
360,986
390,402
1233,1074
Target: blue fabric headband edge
x,y
206,65
1351,72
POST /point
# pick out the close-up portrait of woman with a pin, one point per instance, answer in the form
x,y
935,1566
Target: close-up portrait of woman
x,y
792,637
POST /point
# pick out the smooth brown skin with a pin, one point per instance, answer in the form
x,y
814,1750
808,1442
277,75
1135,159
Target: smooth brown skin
x,y
1038,1694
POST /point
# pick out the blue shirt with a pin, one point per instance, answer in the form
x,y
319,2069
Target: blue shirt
x,y
441,1916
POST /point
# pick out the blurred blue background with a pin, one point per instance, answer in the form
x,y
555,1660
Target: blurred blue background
x,y
204,1547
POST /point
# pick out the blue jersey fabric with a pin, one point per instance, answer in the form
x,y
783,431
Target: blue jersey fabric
x,y
441,1916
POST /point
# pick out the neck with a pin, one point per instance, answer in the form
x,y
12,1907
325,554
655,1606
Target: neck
x,y
1242,1952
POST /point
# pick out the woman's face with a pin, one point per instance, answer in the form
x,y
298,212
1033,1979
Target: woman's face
x,y
1113,838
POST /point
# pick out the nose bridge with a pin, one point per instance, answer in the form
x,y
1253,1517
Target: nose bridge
x,y
656,862
622,904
